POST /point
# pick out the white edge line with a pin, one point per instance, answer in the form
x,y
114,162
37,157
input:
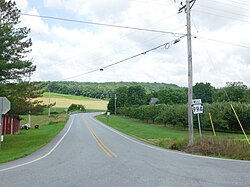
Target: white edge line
x,y
162,149
42,157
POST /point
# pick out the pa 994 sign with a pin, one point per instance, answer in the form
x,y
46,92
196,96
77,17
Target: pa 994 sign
x,y
198,109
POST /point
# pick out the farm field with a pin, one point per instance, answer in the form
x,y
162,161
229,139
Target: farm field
x,y
64,101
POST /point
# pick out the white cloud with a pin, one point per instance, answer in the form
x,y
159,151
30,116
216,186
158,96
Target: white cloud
x,y
62,50
22,4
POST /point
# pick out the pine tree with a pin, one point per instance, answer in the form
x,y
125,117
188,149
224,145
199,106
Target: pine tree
x,y
14,44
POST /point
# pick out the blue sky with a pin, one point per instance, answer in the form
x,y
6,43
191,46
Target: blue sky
x,y
221,49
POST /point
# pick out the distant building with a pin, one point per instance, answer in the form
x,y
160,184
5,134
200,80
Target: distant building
x,y
153,101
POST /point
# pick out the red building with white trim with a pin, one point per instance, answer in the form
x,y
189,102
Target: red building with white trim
x,y
10,125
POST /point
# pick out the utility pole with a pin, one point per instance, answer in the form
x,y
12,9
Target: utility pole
x,y
49,105
115,103
29,117
190,76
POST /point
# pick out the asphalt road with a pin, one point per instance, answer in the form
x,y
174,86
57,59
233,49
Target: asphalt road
x,y
88,153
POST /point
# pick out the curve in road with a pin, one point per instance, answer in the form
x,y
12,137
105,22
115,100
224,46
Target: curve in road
x,y
88,153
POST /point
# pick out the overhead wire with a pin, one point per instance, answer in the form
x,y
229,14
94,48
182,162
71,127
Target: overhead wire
x,y
224,11
101,24
132,46
109,42
166,45
221,16
228,2
229,43
209,56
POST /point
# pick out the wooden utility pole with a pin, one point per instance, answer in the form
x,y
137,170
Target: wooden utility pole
x,y
190,76
49,105
29,116
115,103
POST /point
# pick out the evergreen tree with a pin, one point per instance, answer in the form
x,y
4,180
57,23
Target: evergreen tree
x,y
14,44
14,65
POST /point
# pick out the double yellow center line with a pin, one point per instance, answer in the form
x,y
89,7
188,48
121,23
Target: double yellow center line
x,y
99,142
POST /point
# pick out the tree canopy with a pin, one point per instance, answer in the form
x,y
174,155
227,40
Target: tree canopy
x,y
14,44
203,91
14,64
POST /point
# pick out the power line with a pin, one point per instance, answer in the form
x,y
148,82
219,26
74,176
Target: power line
x,y
228,3
221,16
101,24
166,45
224,11
126,36
229,43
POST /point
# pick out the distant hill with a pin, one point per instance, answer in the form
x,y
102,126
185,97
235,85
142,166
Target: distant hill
x,y
100,90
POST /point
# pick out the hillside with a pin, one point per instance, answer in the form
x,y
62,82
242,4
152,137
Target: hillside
x,y
100,90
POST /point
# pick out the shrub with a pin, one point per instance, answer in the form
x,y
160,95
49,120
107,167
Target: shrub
x,y
76,107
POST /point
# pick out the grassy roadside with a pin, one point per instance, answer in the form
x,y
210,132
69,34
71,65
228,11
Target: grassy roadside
x,y
224,145
28,141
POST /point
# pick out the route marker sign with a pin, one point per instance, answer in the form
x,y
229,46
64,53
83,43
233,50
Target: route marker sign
x,y
198,108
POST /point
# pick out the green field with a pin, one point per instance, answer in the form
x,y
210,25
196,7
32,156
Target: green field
x,y
225,145
28,141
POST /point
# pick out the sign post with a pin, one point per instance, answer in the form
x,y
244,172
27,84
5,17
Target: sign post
x,y
198,109
4,108
108,114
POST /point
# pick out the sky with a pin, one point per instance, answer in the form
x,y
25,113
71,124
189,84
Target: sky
x,y
70,51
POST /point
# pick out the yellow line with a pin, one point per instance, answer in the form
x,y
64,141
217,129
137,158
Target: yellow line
x,y
99,141
109,150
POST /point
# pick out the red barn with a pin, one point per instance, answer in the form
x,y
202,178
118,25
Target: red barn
x,y
10,124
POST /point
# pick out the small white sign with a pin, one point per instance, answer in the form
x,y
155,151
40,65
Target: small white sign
x,y
198,108
108,113
196,101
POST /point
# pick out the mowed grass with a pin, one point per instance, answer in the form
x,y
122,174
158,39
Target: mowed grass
x,y
147,132
64,101
225,145
28,141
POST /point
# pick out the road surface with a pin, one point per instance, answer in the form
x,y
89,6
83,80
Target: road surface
x,y
88,153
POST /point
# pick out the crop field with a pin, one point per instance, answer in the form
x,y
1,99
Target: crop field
x,y
64,101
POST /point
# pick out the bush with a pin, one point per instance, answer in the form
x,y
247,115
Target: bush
x,y
76,107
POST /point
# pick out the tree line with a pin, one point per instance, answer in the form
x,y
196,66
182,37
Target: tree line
x,y
137,95
99,90
171,107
